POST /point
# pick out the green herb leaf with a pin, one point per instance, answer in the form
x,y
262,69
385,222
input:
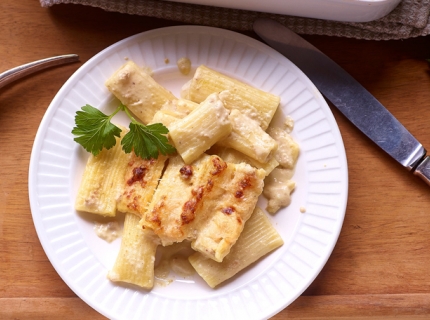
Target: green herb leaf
x,y
94,130
147,141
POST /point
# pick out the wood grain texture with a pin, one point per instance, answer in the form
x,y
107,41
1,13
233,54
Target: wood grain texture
x,y
379,268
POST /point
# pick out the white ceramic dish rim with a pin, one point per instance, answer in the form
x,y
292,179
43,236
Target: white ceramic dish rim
x,y
336,10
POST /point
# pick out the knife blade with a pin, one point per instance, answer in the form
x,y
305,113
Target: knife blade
x,y
349,96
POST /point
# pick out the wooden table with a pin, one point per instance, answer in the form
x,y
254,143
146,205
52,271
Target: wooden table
x,y
380,266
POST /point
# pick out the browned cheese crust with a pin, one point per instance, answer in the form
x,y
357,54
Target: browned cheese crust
x,y
207,202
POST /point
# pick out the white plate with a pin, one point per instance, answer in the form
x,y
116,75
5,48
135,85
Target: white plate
x,y
82,259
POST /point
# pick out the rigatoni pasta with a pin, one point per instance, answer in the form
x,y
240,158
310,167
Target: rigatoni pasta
x,y
257,239
201,129
240,96
233,196
207,193
135,261
247,137
179,107
169,214
139,183
234,156
207,202
102,181
138,91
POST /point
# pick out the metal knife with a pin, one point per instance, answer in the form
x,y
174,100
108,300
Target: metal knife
x,y
349,96
19,72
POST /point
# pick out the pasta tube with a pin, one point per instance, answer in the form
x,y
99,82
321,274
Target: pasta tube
x,y
175,201
228,206
102,181
165,118
179,107
234,101
138,91
135,261
207,202
234,156
247,99
288,150
248,138
140,180
201,129
173,111
257,239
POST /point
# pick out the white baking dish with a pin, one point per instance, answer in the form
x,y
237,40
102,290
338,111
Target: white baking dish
x,y
338,10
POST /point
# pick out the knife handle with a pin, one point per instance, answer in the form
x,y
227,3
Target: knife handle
x,y
423,170
29,68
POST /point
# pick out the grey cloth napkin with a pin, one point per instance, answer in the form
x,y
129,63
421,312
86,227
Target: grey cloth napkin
x,y
409,19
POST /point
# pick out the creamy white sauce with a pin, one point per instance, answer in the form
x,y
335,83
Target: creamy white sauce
x,y
172,262
184,65
278,187
289,124
287,151
181,266
260,152
162,276
108,231
232,101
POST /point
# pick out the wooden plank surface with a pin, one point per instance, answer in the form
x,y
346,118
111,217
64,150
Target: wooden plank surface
x,y
379,268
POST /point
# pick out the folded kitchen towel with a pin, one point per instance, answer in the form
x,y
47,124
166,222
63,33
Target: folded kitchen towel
x,y
409,19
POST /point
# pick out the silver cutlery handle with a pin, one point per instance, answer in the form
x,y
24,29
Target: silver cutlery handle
x,y
423,170
28,68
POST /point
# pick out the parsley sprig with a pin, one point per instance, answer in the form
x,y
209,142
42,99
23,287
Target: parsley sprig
x,y
95,131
